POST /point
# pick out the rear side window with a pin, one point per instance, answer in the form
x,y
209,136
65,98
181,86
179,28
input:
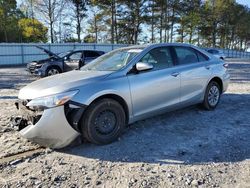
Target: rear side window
x,y
91,54
201,56
186,55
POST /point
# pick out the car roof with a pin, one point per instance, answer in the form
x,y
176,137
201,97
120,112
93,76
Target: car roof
x,y
156,45
80,50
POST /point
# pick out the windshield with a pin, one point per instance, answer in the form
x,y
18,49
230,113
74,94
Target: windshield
x,y
112,61
63,54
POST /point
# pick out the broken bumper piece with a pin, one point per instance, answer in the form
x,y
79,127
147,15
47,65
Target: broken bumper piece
x,y
50,128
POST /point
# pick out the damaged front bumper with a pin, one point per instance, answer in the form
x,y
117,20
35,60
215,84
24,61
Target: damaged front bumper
x,y
54,127
35,69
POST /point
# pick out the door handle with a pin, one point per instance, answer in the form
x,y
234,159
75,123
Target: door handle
x,y
207,67
175,74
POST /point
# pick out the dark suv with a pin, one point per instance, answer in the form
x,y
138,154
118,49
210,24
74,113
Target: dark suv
x,y
63,62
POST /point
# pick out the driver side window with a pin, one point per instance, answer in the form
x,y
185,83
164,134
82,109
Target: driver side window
x,y
75,56
160,58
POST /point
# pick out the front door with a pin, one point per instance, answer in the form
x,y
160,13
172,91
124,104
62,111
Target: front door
x,y
154,90
72,61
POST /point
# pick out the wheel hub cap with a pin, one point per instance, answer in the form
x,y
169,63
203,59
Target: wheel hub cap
x,y
53,72
213,95
105,122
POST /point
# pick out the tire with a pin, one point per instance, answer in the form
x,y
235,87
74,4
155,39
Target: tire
x,y
103,122
212,96
53,71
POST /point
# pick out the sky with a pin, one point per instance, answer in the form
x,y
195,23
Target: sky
x,y
244,2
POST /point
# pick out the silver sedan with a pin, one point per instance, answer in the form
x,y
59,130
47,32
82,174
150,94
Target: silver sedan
x,y
119,88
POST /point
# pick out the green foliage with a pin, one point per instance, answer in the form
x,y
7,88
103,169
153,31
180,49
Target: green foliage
x,y
32,30
80,8
89,39
9,15
14,27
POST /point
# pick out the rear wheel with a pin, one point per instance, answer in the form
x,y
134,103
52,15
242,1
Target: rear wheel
x,y
103,121
212,96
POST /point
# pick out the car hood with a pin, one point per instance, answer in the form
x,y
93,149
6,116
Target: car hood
x,y
60,83
48,52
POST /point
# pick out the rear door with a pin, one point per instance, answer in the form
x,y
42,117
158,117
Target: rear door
x,y
154,90
194,69
72,61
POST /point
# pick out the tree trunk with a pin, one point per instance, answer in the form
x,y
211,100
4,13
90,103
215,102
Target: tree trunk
x,y
198,37
51,22
214,34
152,23
116,31
166,22
172,24
5,35
191,35
112,20
161,20
51,32
78,26
137,22
152,26
96,31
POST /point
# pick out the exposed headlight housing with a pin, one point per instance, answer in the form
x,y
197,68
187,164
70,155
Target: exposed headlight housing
x,y
52,100
38,66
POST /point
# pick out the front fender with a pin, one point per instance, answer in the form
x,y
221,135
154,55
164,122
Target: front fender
x,y
119,86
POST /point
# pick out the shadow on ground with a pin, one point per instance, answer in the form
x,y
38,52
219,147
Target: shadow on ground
x,y
13,80
187,136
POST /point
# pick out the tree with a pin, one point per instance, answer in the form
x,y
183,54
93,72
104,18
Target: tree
x,y
89,39
134,14
79,12
50,10
9,15
96,25
108,10
32,30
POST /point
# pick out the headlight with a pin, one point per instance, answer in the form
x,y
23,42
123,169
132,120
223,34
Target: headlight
x,y
38,66
52,100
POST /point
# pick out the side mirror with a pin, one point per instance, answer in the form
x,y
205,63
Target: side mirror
x,y
140,66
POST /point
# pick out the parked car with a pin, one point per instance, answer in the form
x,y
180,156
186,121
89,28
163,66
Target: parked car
x,y
217,53
119,88
63,62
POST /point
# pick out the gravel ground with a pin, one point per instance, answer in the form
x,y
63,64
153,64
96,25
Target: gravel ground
x,y
186,148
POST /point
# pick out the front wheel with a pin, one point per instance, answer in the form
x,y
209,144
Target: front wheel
x,y
103,121
212,96
52,71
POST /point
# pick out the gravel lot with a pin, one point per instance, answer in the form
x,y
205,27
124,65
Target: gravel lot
x,y
185,148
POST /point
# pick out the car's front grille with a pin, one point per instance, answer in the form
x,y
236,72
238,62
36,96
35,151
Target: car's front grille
x,y
31,67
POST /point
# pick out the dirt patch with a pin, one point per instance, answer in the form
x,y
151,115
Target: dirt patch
x,y
186,148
